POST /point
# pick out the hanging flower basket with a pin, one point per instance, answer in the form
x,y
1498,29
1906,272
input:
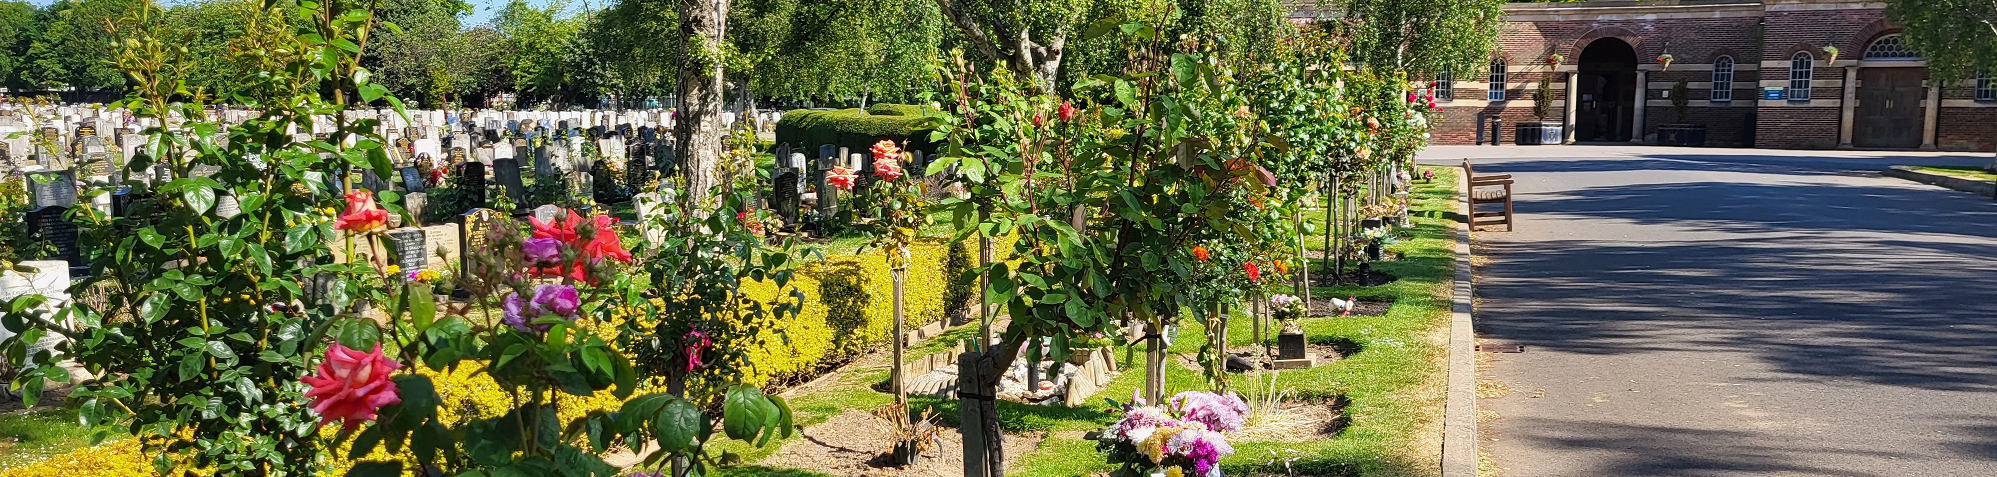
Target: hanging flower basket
x,y
1665,60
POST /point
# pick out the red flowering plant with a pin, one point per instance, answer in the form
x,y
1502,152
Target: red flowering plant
x,y
270,338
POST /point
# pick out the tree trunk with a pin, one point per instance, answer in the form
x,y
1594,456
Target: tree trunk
x,y
698,130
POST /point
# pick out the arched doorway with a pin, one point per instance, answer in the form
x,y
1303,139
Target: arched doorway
x,y
1607,85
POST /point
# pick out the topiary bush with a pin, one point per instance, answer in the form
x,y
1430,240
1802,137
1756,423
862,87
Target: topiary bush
x,y
854,129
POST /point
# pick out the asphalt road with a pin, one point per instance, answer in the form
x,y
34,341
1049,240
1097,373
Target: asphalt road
x,y
1737,312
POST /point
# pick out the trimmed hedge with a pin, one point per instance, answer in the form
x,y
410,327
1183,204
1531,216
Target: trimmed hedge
x,y
806,129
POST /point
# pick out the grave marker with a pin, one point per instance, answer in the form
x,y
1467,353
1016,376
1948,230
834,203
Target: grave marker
x,y
412,179
409,253
472,239
49,224
507,173
52,189
471,182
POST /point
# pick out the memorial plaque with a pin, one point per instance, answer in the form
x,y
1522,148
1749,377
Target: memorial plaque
x,y
506,172
472,238
412,179
409,252
457,155
471,182
52,189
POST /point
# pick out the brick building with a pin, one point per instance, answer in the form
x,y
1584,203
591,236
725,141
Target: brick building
x,y
1754,73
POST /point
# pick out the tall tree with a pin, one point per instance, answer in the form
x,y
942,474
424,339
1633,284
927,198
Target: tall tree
x,y
536,42
1029,37
17,30
1422,35
422,46
698,128
1957,37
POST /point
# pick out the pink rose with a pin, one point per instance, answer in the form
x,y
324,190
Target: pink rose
x,y
558,300
351,385
516,310
840,177
542,251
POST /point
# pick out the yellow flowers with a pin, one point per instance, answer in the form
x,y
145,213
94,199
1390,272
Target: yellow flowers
x,y
115,459
425,275
392,269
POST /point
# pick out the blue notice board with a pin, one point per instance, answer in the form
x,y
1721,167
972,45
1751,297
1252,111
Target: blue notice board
x,y
1773,93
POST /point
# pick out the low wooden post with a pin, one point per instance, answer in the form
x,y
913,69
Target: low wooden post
x,y
970,414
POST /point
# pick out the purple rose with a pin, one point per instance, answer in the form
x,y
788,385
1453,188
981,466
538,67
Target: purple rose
x,y
519,314
559,300
542,251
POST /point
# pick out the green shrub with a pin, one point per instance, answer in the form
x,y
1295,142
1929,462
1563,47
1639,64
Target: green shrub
x,y
891,109
806,129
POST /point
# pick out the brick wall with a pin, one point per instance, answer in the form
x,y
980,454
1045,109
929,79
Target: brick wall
x,y
1796,128
1967,129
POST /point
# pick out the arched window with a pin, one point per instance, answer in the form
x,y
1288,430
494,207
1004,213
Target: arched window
x,y
1497,92
1800,69
1723,79
1445,86
1986,87
1890,47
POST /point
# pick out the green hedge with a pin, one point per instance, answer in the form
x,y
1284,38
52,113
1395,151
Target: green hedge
x,y
806,129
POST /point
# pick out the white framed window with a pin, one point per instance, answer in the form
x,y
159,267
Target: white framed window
x,y
1723,79
1497,92
1891,47
1445,86
1986,87
1801,67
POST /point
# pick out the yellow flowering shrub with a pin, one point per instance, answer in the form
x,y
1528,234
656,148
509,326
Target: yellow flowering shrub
x,y
114,459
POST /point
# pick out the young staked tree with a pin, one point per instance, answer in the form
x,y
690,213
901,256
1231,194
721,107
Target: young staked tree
x,y
1958,38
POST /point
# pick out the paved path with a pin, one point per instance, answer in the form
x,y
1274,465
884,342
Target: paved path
x,y
1738,312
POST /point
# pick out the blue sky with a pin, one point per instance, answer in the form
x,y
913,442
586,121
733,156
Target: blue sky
x,y
482,10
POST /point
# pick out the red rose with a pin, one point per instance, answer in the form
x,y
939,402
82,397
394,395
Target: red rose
x,y
362,215
351,385
1254,273
1067,111
1200,252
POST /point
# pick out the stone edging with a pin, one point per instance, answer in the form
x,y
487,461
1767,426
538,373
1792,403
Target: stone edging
x,y
1459,411
1973,186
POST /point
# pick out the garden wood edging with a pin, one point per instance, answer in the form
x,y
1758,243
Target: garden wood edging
x,y
1973,186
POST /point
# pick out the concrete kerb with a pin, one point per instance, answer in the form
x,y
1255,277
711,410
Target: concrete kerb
x,y
1973,186
1459,412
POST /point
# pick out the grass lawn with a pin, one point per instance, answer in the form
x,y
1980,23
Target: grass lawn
x,y
30,436
1395,383
1968,172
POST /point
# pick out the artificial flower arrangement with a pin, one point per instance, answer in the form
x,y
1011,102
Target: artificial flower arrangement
x,y
1665,60
1287,309
1185,437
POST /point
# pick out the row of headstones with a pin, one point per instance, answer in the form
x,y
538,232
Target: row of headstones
x,y
794,172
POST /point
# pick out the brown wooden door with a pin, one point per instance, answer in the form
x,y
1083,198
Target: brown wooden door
x,y
1889,108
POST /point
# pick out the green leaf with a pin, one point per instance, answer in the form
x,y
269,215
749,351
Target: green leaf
x,y
365,442
635,412
744,412
422,306
298,238
1185,69
199,197
678,424
152,237
360,334
191,365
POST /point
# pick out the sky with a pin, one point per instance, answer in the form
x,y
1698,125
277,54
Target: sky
x,y
482,10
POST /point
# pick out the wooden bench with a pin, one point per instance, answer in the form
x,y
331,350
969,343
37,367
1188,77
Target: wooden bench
x,y
1492,189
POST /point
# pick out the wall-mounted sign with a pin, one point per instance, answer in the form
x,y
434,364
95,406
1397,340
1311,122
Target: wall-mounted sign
x,y
1774,93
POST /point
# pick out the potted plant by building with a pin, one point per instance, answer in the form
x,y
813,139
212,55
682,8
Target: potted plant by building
x,y
1541,132
1680,133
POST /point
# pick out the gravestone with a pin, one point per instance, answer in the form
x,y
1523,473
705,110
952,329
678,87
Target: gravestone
x,y
662,154
457,156
409,252
49,224
52,189
635,175
414,203
483,155
372,182
471,182
828,195
600,178
547,213
543,162
785,202
506,172
472,238
412,179
123,200
96,163
227,207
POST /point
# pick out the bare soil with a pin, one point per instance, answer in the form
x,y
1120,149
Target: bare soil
x,y
853,444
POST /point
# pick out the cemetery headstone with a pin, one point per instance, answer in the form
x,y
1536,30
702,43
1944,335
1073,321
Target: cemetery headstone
x,y
786,201
53,189
227,207
409,252
547,213
373,182
414,203
507,173
49,224
543,161
412,179
472,238
471,182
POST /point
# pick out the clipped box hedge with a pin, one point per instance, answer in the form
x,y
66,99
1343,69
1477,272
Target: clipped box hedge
x,y
853,129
